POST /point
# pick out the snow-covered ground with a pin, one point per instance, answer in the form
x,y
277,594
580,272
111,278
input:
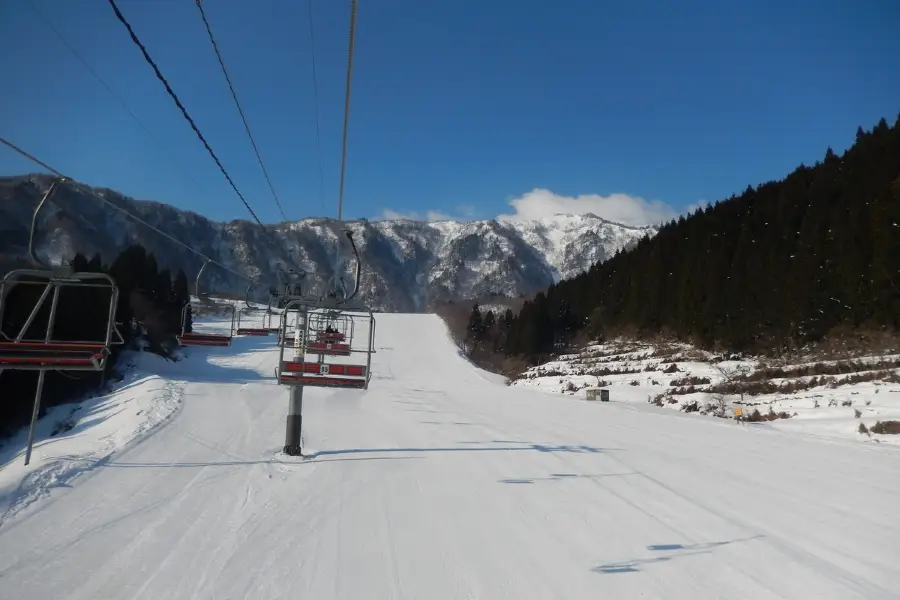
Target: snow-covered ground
x,y
819,397
439,482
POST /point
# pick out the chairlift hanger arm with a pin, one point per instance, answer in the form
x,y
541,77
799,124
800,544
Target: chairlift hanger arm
x,y
247,296
358,265
34,217
197,281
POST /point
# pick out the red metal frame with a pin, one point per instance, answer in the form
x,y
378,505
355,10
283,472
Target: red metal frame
x,y
193,338
204,339
318,374
338,382
253,331
50,354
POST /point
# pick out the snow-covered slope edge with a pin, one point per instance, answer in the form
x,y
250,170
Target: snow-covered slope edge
x,y
844,399
72,439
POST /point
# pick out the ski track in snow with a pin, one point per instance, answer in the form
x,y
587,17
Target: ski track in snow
x,y
439,482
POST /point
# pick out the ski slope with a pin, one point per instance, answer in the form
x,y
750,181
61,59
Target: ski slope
x,y
440,482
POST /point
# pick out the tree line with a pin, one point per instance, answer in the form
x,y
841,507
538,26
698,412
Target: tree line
x,y
148,315
767,271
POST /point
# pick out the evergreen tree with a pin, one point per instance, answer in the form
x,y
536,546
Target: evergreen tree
x,y
475,326
781,264
487,326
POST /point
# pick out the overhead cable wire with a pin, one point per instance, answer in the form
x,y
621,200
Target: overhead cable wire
x,y
43,16
315,85
237,103
353,4
128,214
184,111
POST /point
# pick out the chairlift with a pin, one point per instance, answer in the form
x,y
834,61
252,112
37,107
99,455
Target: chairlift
x,y
194,338
318,362
44,351
324,364
264,328
333,333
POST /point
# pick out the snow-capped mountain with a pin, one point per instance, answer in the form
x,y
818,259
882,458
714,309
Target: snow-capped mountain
x,y
407,264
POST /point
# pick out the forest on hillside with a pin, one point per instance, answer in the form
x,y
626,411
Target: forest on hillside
x,y
767,271
148,310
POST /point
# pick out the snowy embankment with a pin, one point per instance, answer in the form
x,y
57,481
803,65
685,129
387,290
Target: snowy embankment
x,y
856,398
71,440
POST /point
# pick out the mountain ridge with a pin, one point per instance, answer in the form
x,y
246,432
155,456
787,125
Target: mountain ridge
x,y
409,264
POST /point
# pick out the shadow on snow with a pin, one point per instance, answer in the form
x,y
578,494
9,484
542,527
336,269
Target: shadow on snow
x,y
680,550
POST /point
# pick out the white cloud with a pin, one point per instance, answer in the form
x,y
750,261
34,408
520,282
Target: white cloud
x,y
467,210
694,207
620,208
538,203
388,214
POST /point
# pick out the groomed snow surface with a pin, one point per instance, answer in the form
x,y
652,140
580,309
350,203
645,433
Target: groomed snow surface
x,y
439,482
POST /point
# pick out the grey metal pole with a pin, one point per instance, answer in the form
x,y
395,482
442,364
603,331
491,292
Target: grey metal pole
x,y
34,414
292,439
41,374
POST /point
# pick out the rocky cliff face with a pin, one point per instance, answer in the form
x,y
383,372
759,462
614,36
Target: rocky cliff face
x,y
407,264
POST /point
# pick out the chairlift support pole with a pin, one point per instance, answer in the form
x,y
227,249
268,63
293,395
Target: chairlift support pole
x,y
39,390
293,437
293,432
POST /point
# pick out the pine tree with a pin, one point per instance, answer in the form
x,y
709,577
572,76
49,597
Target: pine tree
x,y
475,326
487,327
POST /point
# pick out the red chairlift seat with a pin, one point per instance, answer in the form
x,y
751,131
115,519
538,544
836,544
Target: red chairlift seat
x,y
253,331
193,338
264,327
36,355
323,375
204,339
328,348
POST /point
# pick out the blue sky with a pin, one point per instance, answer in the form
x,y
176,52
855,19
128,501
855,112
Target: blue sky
x,y
468,108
